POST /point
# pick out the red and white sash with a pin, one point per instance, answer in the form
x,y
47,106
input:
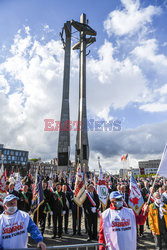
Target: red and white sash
x,y
124,203
92,202
70,188
51,189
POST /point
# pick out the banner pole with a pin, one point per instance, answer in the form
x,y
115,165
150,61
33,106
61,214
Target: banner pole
x,y
78,218
37,216
151,190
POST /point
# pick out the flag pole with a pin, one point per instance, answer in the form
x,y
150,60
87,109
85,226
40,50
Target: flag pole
x,y
37,216
98,161
77,204
152,188
161,165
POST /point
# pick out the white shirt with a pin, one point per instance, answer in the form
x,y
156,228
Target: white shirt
x,y
119,228
13,230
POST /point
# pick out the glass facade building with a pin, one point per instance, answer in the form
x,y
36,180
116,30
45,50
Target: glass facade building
x,y
13,157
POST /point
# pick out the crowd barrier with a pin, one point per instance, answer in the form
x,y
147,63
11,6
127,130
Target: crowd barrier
x,y
67,247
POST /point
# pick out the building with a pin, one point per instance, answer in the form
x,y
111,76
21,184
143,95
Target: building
x,y
45,168
54,161
149,167
123,172
14,159
134,171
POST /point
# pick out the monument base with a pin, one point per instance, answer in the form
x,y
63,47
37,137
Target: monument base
x,y
62,168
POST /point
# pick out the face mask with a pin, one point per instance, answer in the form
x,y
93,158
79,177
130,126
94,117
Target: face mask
x,y
11,210
158,201
119,204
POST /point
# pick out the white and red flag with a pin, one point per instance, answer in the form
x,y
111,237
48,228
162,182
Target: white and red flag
x,y
79,190
2,185
102,189
18,184
135,197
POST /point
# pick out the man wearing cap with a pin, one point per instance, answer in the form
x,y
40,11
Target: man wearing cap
x,y
118,225
15,226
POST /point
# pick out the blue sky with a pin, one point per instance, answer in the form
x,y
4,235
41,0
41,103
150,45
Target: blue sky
x,y
126,76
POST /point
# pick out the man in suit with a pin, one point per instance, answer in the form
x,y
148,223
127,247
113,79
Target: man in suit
x,y
45,207
58,208
67,207
75,213
91,212
164,195
25,198
145,191
125,195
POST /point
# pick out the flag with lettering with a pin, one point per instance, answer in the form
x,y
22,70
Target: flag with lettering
x,y
135,197
102,189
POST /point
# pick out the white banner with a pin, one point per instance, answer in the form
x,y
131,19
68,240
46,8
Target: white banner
x,y
18,184
2,189
162,170
102,191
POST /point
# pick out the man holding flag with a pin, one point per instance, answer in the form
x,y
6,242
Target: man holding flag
x,y
38,197
91,206
78,199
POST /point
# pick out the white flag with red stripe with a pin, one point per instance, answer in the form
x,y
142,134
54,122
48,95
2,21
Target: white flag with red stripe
x,y
79,190
102,189
2,185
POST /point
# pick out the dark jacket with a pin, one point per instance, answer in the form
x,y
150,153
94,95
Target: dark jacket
x,y
24,202
57,206
88,205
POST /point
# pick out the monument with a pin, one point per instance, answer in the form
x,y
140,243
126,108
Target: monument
x,y
82,144
64,134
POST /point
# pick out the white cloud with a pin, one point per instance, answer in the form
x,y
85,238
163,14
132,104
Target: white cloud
x,y
142,143
162,90
104,114
131,19
117,83
148,51
154,107
4,86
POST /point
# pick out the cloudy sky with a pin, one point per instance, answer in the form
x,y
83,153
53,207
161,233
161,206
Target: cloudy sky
x,y
126,76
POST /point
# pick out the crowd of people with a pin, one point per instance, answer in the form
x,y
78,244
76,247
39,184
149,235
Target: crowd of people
x,y
119,225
